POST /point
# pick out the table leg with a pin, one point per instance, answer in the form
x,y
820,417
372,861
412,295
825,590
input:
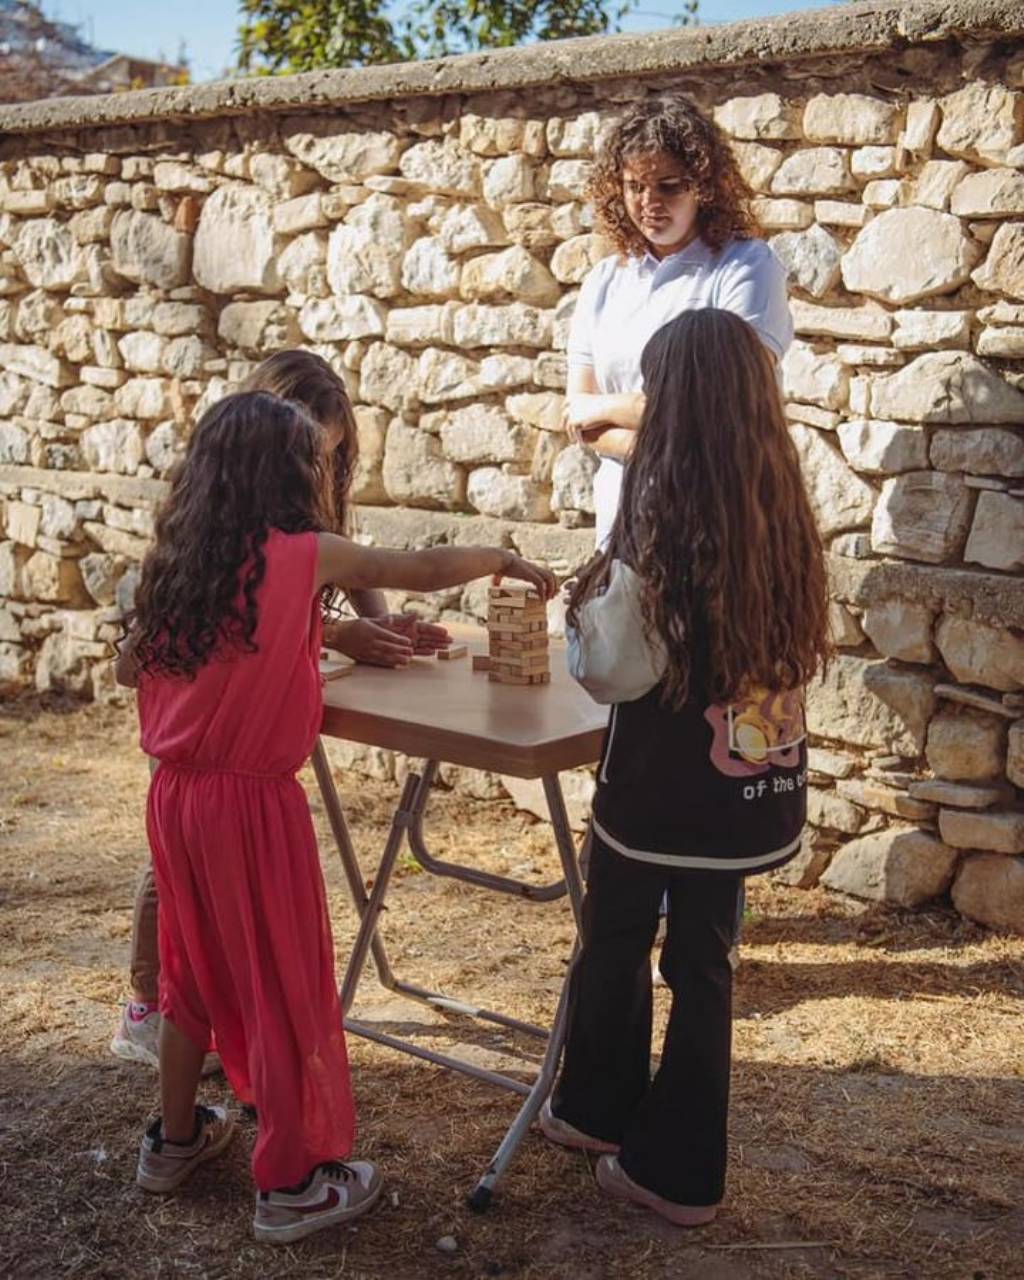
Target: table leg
x,y
482,1194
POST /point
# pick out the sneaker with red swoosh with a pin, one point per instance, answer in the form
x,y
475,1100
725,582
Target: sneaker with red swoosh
x,y
165,1165
333,1193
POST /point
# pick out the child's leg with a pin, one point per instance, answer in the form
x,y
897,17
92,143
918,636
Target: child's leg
x,y
181,1064
675,1144
606,1068
145,956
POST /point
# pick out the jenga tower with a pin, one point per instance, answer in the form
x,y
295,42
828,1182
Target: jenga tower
x,y
517,627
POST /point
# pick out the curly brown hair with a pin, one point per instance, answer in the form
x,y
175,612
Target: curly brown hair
x,y
254,463
714,518
308,380
671,123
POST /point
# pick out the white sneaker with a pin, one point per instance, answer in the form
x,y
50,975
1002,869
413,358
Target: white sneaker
x,y
135,1040
334,1193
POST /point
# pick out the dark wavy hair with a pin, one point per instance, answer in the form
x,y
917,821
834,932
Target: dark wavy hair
x,y
671,123
308,380
254,463
715,520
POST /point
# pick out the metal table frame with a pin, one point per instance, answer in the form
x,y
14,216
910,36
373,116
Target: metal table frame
x,y
407,826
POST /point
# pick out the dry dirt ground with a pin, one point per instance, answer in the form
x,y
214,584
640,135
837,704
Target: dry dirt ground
x,y
878,1116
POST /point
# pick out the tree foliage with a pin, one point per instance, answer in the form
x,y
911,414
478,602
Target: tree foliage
x,y
303,35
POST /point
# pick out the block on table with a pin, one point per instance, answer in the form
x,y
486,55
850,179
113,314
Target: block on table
x,y
452,652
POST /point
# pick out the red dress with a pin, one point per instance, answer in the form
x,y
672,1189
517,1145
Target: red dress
x,y
245,938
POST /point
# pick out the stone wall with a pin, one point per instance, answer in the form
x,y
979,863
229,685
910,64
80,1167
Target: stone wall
x,y
428,238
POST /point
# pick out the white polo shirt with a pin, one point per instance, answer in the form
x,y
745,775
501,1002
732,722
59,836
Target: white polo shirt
x,y
622,304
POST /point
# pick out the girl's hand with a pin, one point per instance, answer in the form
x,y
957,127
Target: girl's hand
x,y
539,577
585,416
426,637
373,641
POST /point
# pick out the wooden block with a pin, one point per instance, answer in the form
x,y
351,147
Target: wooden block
x,y
452,652
481,662
335,668
523,628
540,679
503,679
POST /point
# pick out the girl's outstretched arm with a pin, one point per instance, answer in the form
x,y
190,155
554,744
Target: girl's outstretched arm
x,y
345,562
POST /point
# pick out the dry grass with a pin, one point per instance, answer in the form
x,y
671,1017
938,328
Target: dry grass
x,y
878,1119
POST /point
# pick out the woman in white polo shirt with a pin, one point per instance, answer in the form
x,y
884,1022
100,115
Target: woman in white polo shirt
x,y
668,195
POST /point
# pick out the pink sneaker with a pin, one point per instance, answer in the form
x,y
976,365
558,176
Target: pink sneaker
x,y
615,1181
567,1135
135,1039
333,1194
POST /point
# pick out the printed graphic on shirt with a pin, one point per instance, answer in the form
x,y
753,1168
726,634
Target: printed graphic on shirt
x,y
762,731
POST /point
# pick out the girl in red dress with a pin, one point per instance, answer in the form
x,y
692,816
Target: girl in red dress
x,y
223,647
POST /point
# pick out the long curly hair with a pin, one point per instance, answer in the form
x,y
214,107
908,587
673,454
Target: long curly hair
x,y
671,123
308,380
254,463
715,520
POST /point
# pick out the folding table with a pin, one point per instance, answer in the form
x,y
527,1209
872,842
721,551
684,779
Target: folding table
x,y
444,712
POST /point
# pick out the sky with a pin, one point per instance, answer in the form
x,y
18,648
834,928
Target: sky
x,y
156,28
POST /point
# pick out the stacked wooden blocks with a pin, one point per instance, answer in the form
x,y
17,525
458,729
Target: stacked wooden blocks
x,y
517,628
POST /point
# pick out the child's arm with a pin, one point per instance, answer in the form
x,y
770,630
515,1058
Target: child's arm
x,y
360,568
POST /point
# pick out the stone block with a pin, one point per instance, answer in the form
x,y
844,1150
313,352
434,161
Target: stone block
x,y
862,324
981,122
1015,754
142,352
418,326
442,167
919,128
540,409
258,327
345,156
782,215
113,446
573,259
368,479
446,375
818,378
869,704
906,254
899,629
964,746
883,448
496,492
35,363
958,795
236,247
55,579
1003,268
48,254
515,325
922,515
757,164
513,274
872,795
428,271
21,523
831,812
304,213
484,434
900,865
843,626
388,376
416,475
852,119
873,162
572,479
934,186
993,193
993,831
144,398
839,497
813,171
476,226
764,116
979,654
989,888
929,330
339,319
996,539
838,213
1003,343
948,387
508,180
302,264
811,259
147,250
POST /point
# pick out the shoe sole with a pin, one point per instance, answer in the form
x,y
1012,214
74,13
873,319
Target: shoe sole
x,y
333,1218
130,1052
161,1185
551,1128
632,1193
